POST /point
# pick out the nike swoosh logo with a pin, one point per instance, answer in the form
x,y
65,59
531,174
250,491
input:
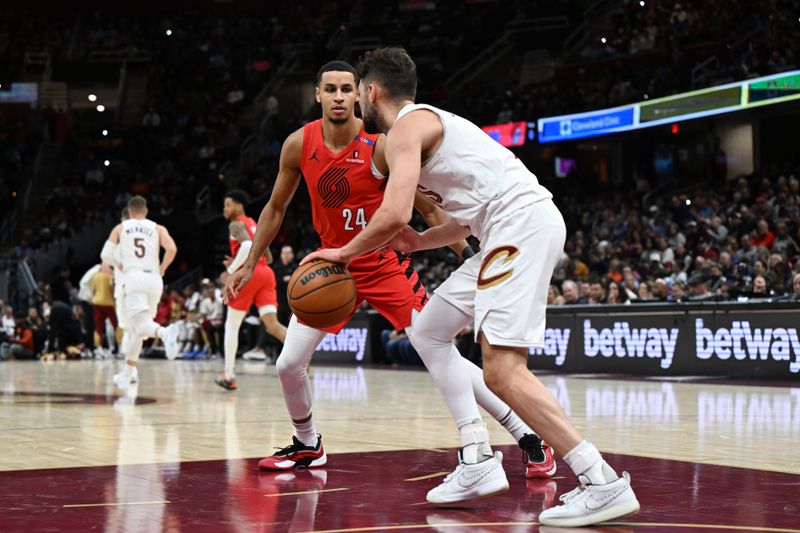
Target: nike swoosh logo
x,y
602,502
468,479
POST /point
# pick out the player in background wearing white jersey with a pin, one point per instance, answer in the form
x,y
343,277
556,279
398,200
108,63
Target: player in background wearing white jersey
x,y
489,193
138,241
119,300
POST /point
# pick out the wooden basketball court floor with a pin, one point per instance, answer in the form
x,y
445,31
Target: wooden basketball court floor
x,y
179,454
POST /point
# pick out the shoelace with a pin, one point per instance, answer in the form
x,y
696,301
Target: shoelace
x,y
288,449
577,491
527,456
454,473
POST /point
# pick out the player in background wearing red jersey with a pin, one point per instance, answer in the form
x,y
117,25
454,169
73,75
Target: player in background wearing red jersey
x,y
260,291
344,169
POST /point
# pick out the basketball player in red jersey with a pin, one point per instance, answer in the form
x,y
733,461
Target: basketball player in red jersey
x,y
345,170
260,291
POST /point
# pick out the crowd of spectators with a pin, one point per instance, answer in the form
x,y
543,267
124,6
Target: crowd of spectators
x,y
646,50
203,73
734,243
19,141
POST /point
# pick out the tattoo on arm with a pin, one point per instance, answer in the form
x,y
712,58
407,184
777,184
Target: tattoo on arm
x,y
238,231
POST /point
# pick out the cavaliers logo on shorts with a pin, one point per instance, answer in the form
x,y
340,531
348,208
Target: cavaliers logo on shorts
x,y
503,254
334,187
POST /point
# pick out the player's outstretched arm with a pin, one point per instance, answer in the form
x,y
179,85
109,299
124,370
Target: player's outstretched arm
x,y
272,215
409,240
170,248
435,216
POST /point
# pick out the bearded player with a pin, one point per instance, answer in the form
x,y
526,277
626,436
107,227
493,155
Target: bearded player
x,y
486,191
345,171
260,291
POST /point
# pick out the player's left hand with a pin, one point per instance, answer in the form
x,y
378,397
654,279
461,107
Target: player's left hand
x,y
228,260
407,240
334,255
223,278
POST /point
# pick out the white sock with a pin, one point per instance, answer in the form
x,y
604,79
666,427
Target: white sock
x,y
305,431
514,425
128,370
232,324
585,459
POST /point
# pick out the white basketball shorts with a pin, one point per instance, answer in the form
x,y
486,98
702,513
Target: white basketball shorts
x,y
142,292
123,320
505,286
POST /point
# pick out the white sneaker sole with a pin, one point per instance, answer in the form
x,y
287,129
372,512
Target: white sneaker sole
x,y
497,486
602,515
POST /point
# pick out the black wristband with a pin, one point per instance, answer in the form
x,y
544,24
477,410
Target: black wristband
x,y
467,252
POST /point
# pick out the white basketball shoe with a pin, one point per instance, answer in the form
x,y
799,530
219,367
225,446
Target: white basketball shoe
x,y
124,379
589,504
171,345
470,481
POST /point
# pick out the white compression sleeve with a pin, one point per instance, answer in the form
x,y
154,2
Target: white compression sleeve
x,y
432,336
292,365
131,346
241,256
108,254
232,324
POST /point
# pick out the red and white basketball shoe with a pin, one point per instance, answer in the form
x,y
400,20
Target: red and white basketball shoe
x,y
538,457
296,455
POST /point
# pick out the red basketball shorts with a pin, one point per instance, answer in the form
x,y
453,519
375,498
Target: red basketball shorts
x,y
260,290
389,283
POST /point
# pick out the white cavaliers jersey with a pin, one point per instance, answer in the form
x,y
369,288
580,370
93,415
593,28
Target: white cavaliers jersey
x,y
474,178
139,246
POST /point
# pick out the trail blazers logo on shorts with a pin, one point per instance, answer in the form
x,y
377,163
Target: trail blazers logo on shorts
x,y
506,254
334,187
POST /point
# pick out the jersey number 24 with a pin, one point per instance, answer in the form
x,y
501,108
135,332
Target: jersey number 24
x,y
361,219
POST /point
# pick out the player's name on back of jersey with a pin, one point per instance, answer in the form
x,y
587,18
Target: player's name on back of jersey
x,y
139,229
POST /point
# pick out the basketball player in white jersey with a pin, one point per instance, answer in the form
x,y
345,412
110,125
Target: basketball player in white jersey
x,y
139,242
119,300
488,193
339,128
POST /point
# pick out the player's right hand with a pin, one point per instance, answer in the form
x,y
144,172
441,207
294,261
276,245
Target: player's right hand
x,y
236,282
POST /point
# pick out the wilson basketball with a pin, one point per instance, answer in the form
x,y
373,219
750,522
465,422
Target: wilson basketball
x,y
321,293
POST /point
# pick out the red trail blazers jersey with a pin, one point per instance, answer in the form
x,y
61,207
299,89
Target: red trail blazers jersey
x,y
344,192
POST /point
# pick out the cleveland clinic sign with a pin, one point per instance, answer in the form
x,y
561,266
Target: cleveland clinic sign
x,y
723,339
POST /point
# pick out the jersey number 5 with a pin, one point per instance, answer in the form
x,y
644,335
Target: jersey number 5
x,y
361,219
138,243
